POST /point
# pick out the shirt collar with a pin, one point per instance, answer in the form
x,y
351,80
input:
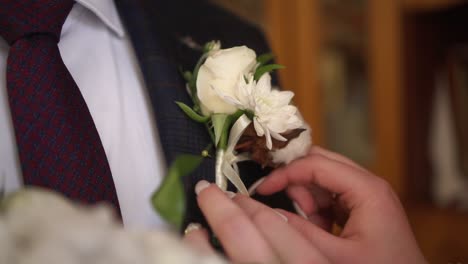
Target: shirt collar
x,y
107,12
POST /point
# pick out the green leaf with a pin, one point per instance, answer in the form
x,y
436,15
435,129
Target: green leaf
x,y
219,121
192,114
266,68
265,58
250,114
169,199
230,120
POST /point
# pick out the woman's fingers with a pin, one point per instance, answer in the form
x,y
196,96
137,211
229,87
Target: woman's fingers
x,y
252,232
352,185
328,244
290,245
197,238
239,236
311,198
304,198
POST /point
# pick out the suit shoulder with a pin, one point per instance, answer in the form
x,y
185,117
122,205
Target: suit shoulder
x,y
203,21
231,29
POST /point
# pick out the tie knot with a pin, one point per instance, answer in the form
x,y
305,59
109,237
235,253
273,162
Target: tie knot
x,y
22,18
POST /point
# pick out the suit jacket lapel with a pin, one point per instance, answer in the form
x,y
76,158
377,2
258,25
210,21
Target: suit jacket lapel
x,y
165,85
163,81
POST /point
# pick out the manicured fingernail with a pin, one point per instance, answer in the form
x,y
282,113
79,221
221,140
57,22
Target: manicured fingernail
x,y
200,186
299,210
230,194
191,227
281,215
254,186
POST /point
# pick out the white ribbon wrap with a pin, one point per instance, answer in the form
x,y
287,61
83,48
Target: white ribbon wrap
x,y
226,161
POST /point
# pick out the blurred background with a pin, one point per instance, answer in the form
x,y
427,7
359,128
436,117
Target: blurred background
x,y
384,82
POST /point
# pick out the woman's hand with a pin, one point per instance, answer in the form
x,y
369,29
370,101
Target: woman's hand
x,y
375,231
249,231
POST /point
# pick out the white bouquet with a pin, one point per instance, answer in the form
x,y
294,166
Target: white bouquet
x,y
41,227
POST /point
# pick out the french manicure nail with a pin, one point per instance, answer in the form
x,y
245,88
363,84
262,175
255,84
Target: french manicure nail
x,y
254,186
281,215
200,186
192,227
299,210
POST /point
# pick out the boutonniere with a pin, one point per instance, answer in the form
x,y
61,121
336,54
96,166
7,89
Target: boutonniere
x,y
245,116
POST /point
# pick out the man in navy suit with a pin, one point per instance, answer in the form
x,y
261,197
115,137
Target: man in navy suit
x,y
125,57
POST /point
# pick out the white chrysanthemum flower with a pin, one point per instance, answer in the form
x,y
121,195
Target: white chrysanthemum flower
x,y
273,114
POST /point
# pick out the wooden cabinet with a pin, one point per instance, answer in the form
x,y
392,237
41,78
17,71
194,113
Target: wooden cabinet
x,y
428,5
295,32
400,49
403,43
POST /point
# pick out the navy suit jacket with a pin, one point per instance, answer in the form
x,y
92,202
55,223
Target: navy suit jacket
x,y
156,28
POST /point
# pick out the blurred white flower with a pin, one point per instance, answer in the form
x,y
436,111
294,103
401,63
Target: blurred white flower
x,y
42,227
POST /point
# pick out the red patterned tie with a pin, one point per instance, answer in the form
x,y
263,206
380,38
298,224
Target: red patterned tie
x,y
59,146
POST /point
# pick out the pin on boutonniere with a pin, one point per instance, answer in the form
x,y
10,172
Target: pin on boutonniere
x,y
245,116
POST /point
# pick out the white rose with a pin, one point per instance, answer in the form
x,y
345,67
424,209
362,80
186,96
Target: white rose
x,y
220,74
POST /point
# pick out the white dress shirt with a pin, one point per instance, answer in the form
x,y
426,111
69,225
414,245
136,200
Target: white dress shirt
x,y
98,53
